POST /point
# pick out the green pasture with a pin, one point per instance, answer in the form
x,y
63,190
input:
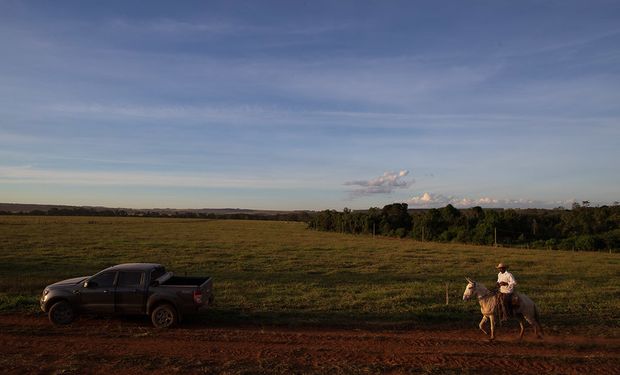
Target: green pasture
x,y
282,273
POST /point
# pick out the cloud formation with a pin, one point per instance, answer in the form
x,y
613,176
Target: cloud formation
x,y
33,175
385,184
429,200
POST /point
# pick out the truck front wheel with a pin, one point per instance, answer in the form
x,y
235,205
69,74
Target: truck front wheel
x,y
164,316
61,313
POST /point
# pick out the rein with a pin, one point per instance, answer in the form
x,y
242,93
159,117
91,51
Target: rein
x,y
489,294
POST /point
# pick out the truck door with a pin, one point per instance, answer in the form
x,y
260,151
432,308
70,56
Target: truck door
x,y
130,296
97,296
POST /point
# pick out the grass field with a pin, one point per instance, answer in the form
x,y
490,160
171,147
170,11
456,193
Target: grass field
x,y
281,273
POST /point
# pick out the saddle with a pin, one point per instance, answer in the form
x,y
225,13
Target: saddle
x,y
507,309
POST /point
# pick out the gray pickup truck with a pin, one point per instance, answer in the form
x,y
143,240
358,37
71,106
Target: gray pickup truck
x,y
128,289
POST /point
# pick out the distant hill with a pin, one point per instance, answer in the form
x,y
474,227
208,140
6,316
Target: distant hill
x,y
51,209
17,208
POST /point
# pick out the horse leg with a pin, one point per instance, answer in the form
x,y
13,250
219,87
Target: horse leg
x,y
538,330
521,326
481,325
492,323
534,323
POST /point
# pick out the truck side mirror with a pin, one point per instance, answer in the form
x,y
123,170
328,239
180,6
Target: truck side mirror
x,y
90,284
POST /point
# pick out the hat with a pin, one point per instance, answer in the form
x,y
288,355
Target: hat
x,y
501,265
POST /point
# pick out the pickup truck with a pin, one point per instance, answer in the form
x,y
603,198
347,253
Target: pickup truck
x,y
128,289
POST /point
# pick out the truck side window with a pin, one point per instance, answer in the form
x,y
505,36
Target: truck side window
x,y
104,280
157,273
130,279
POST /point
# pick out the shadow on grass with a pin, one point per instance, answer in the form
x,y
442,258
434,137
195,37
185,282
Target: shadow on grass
x,y
223,317
450,317
438,317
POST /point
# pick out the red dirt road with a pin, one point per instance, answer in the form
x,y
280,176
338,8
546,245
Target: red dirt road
x,y
29,344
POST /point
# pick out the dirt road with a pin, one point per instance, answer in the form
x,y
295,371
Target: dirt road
x,y
29,344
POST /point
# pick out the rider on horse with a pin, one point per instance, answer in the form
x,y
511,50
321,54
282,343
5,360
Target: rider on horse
x,y
506,283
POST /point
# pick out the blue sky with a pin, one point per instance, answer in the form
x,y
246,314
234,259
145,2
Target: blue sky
x,y
310,105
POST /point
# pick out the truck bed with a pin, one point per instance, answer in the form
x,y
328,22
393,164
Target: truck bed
x,y
179,280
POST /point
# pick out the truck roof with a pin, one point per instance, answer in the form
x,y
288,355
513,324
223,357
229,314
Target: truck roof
x,y
133,267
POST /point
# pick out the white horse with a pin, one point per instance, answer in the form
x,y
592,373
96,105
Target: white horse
x,y
526,310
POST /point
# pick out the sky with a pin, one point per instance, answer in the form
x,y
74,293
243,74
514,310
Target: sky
x,y
310,105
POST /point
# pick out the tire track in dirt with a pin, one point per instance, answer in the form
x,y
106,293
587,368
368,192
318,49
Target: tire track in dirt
x,y
31,345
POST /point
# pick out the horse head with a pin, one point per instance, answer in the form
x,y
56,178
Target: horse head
x,y
469,289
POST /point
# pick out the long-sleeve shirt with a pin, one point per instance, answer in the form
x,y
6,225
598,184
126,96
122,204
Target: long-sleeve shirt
x,y
508,278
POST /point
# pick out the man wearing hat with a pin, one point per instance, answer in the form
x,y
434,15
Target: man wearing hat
x,y
506,283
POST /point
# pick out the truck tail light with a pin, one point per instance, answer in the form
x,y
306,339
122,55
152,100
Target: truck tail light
x,y
198,297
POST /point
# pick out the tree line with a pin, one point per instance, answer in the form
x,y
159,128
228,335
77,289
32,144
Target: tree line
x,y
583,227
302,216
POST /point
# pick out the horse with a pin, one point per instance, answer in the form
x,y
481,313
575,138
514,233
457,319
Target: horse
x,y
526,310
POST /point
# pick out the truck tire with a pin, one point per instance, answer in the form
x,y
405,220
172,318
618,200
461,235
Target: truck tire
x,y
164,316
61,313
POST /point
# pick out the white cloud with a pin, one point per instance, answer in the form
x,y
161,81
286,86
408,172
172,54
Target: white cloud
x,y
430,200
219,27
384,184
33,175
169,26
167,112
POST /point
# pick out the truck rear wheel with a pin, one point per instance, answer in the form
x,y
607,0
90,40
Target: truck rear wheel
x,y
164,316
61,313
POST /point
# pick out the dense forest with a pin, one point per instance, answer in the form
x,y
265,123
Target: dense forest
x,y
583,227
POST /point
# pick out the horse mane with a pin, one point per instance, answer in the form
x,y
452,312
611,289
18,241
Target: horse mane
x,y
484,288
486,298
